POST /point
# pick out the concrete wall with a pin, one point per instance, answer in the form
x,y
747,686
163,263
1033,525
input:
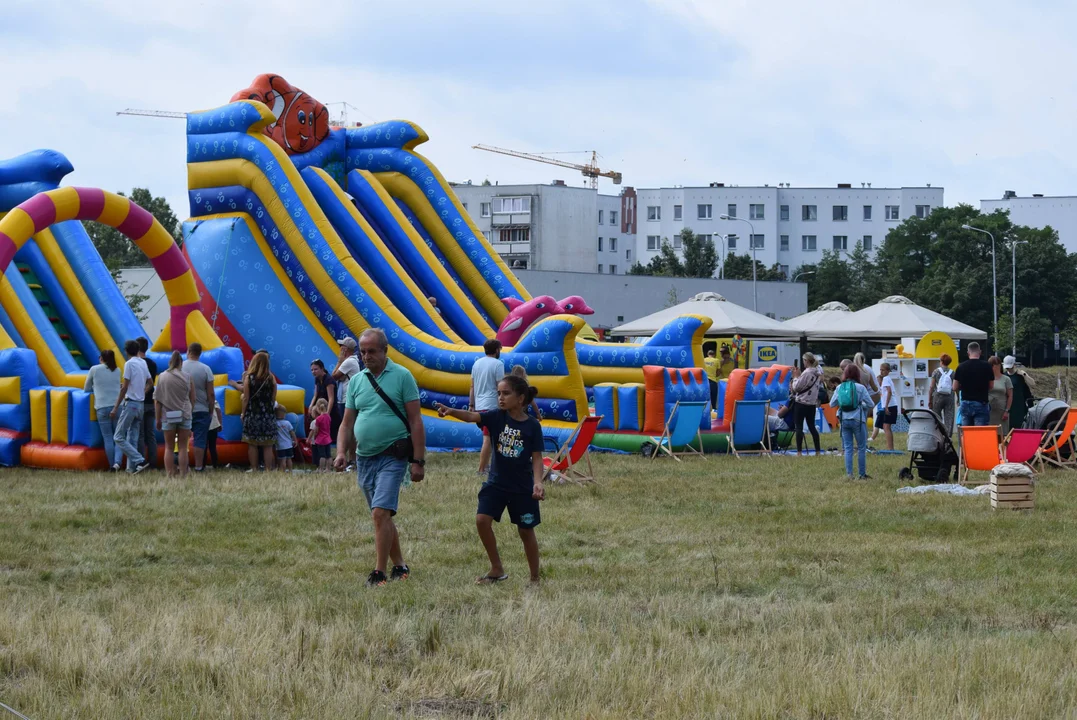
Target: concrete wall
x,y
618,299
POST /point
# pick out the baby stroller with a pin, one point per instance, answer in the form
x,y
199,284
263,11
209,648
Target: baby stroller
x,y
930,449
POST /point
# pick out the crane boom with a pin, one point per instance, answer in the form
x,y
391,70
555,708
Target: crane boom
x,y
152,113
590,170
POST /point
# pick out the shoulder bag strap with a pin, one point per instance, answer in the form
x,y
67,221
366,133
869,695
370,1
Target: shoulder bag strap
x,y
389,402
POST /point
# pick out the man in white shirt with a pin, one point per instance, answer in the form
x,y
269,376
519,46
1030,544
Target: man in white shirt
x,y
136,379
347,368
486,373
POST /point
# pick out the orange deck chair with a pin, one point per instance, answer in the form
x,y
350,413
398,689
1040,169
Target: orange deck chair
x,y
573,452
1057,438
979,449
1021,446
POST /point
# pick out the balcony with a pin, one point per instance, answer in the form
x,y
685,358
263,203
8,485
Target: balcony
x,y
516,219
512,248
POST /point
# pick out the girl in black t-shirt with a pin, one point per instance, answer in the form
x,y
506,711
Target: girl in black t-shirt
x,y
515,480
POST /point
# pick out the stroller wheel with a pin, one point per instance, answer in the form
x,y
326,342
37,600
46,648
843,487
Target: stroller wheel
x,y
905,475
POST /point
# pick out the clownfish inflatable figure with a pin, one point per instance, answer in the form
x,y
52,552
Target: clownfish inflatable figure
x,y
301,121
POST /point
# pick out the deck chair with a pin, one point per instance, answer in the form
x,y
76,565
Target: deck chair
x,y
979,449
1055,440
574,451
682,428
1021,446
748,431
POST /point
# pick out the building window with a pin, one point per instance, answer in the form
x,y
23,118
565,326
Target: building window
x,y
600,267
703,212
756,242
654,212
867,242
783,213
678,211
486,234
755,212
867,212
731,210
613,269
922,211
784,270
600,244
628,255
892,212
465,206
653,242
600,216
809,212
613,244
620,318
783,242
677,241
613,217
841,242
513,205
841,213
731,241
484,209
514,235
807,242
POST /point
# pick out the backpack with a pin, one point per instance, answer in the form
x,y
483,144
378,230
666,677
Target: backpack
x,y
945,385
848,398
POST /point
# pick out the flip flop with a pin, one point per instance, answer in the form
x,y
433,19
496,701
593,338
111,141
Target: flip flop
x,y
491,579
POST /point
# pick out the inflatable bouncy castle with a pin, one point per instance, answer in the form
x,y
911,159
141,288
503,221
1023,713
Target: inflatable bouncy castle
x,y
301,233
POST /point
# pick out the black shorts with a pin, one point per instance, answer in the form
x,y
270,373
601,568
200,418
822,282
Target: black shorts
x,y
523,509
283,454
321,451
887,416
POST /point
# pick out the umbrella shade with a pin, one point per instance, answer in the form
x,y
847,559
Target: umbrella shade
x,y
726,319
829,320
897,317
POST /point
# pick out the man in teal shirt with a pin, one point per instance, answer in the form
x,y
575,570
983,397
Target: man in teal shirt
x,y
378,428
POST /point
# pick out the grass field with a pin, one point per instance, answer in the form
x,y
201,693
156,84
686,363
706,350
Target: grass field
x,y
747,589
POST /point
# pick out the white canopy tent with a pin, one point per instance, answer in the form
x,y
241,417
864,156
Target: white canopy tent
x,y
726,319
828,320
895,317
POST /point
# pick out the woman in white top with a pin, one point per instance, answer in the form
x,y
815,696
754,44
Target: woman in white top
x,y
103,381
887,417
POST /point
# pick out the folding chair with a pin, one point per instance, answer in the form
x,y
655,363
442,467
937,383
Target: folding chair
x,y
748,428
979,449
682,427
575,449
1021,446
1056,439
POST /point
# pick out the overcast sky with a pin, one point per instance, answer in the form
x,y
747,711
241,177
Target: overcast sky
x,y
971,96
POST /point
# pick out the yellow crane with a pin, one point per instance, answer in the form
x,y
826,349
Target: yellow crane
x,y
590,170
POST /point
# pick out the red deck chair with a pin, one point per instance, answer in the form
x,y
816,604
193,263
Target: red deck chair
x,y
1020,446
574,451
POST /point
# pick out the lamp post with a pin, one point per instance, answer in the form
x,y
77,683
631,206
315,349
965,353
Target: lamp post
x,y
994,282
751,243
721,269
802,274
1013,321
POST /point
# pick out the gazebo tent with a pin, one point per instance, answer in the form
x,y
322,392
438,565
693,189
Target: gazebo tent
x,y
828,320
726,319
897,317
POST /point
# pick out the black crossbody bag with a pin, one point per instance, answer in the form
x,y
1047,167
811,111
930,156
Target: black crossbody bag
x,y
402,449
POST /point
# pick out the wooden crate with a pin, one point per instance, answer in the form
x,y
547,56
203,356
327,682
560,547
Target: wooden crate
x,y
1012,488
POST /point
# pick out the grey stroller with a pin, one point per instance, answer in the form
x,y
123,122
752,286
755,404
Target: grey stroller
x,y
931,451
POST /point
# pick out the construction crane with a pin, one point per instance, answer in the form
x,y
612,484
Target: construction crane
x,y
153,113
590,170
339,121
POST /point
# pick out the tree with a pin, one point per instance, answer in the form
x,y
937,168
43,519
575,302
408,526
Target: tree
x,y
1034,331
739,267
119,252
700,257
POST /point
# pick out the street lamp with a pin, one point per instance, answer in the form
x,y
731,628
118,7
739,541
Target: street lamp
x,y
721,270
802,274
994,281
751,243
1013,322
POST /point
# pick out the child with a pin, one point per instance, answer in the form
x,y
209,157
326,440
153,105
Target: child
x,y
520,372
515,479
211,439
319,430
286,441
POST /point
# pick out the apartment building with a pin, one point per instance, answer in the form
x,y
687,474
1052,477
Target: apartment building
x,y
1057,212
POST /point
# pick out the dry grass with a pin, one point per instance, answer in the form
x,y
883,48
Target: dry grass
x,y
747,589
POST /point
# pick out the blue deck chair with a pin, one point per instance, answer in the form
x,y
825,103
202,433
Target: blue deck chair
x,y
748,433
682,427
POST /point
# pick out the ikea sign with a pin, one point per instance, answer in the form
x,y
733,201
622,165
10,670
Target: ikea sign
x,y
766,353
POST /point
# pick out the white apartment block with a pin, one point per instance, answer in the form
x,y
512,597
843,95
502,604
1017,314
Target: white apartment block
x,y
1058,212
551,227
787,226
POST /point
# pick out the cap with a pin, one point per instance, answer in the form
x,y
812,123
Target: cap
x,y
348,342
1009,361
